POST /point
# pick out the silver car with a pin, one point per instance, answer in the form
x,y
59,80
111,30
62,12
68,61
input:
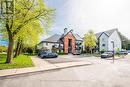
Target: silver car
x,y
107,55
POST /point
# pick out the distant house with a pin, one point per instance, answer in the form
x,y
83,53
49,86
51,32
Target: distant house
x,y
106,39
68,42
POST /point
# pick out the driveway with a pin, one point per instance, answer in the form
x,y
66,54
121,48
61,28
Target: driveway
x,y
61,60
70,58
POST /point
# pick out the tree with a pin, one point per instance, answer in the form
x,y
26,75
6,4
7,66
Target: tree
x,y
30,33
90,40
25,13
125,42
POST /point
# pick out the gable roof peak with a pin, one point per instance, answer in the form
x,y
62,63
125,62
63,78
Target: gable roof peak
x,y
108,32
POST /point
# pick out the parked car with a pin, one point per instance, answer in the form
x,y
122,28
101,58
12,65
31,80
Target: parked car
x,y
124,52
39,53
107,55
128,51
77,53
47,54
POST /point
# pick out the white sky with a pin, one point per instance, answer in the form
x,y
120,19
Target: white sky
x,y
99,15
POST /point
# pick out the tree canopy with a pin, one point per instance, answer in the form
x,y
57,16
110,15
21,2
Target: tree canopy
x,y
29,20
125,42
90,40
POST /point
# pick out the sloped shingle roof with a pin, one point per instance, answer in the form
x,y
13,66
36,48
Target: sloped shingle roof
x,y
54,38
109,32
57,38
77,37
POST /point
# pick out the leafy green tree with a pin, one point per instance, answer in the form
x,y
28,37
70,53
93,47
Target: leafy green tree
x,y
90,40
125,42
29,37
21,22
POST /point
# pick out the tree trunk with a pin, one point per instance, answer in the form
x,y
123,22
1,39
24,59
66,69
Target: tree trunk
x,y
17,49
10,49
90,50
20,49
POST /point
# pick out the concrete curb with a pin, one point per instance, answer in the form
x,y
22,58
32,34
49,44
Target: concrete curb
x,y
39,71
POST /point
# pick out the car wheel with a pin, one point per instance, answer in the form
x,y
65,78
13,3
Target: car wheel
x,y
43,57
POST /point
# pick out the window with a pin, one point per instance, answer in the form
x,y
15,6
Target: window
x,y
103,44
103,39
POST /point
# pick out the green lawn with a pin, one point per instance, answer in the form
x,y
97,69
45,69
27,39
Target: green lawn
x,y
19,62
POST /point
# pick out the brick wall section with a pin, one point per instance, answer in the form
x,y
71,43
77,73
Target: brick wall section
x,y
66,41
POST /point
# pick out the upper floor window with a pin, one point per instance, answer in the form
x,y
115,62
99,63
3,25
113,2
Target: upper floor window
x,y
103,39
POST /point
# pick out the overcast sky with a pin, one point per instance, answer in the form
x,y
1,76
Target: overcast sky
x,y
98,15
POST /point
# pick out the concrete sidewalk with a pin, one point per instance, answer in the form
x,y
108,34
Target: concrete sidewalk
x,y
41,65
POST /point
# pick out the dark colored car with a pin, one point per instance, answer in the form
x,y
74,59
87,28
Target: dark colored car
x,y
40,53
107,55
48,55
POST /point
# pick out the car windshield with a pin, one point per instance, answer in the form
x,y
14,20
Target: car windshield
x,y
49,53
44,52
108,53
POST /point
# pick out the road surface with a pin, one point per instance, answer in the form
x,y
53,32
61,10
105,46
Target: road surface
x,y
102,73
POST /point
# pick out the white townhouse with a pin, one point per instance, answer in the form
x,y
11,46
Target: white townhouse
x,y
106,39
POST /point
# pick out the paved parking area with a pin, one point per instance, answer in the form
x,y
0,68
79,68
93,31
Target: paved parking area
x,y
63,59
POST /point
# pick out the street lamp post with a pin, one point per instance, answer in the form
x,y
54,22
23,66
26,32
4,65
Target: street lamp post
x,y
113,51
124,42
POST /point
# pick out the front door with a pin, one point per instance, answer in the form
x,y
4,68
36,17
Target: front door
x,y
70,46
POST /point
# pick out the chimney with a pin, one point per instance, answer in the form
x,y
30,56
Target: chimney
x,y
65,31
71,30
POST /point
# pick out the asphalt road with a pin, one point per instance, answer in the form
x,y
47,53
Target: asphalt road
x,y
102,73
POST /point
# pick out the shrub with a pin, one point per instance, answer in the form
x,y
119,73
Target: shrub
x,y
118,51
102,51
3,49
54,49
62,53
83,51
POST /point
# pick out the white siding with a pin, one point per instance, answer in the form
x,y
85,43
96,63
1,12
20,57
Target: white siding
x,y
47,45
103,42
117,41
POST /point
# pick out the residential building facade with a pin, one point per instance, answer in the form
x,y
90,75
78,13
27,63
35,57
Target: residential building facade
x,y
68,42
108,40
